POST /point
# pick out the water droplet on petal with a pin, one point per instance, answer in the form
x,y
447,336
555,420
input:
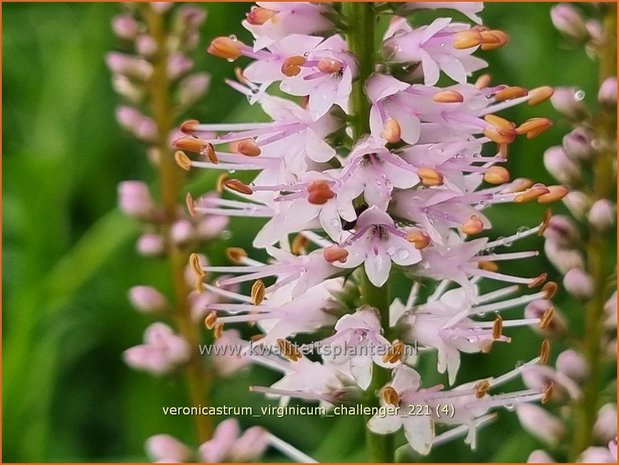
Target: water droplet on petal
x,y
579,95
402,254
225,235
510,407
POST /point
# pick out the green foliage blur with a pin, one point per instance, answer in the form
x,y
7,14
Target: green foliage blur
x,y
68,254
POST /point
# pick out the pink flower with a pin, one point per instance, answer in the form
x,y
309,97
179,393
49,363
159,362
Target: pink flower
x,y
270,22
310,66
376,243
229,445
359,338
161,352
438,47
163,448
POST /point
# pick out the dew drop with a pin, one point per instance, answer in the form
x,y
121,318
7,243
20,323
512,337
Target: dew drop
x,y
579,95
231,171
522,229
481,314
233,37
335,223
519,363
225,235
391,250
510,407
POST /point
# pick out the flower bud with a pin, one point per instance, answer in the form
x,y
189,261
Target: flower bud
x,y
166,448
579,283
605,427
568,20
538,308
250,446
128,65
569,101
577,144
212,226
125,27
147,299
541,424
577,203
178,65
217,448
191,88
596,455
560,166
562,230
191,16
540,456
573,364
190,272
182,231
602,214
134,199
146,45
563,258
231,361
161,7
607,94
150,245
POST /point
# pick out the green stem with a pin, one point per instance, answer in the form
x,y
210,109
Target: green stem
x,y
170,182
361,20
598,259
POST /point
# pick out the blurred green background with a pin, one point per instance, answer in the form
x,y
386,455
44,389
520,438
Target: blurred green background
x,y
69,254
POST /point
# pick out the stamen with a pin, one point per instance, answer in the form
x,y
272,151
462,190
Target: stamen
x,y
319,193
473,225
497,328
258,290
391,396
391,131
189,126
532,193
544,352
496,175
550,289
509,93
448,96
499,130
556,193
395,352
419,238
258,16
483,81
198,285
545,222
289,350
218,330
194,261
547,317
191,205
430,177
299,244
540,94
211,320
182,160
225,47
538,281
248,147
221,182
493,39
289,451
481,388
335,254
292,65
534,127
467,39
488,266
547,394
238,186
236,255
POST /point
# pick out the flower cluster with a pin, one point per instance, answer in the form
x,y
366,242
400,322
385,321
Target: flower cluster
x,y
577,245
364,174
